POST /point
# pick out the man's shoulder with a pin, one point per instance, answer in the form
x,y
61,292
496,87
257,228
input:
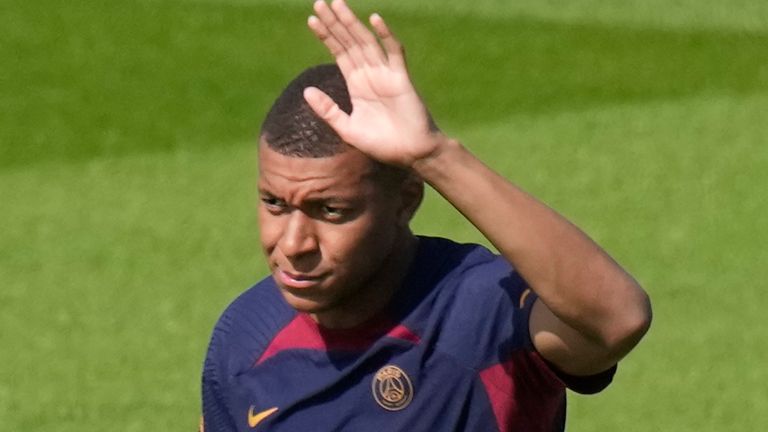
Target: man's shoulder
x,y
445,260
251,320
476,299
450,254
263,294
258,305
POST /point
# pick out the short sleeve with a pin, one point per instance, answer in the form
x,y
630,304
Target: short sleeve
x,y
587,384
216,416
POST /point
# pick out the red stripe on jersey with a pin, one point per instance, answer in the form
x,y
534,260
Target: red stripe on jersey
x,y
404,333
525,394
304,333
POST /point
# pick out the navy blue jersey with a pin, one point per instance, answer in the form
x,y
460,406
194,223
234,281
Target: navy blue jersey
x,y
452,352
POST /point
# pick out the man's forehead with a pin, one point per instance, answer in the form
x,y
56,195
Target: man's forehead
x,y
345,169
304,143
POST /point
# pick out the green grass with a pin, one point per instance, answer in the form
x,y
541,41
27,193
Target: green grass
x,y
739,15
93,79
673,190
127,173
113,274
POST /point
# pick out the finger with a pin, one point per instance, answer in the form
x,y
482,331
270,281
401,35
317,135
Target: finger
x,y
334,47
325,36
364,37
392,46
327,109
339,31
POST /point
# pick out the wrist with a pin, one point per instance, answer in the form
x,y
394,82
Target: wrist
x,y
444,150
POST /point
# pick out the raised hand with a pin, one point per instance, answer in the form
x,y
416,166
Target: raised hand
x,y
389,121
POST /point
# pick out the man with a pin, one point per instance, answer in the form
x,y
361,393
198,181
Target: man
x,y
364,326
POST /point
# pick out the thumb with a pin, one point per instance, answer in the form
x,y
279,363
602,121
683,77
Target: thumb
x,y
326,109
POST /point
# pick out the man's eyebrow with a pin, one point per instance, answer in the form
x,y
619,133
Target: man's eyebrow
x,y
262,191
329,199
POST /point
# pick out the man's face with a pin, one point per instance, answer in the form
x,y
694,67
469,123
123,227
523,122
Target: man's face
x,y
329,229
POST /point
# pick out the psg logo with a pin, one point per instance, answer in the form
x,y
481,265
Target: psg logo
x,y
392,388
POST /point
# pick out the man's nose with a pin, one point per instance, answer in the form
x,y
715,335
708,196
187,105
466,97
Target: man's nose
x,y
299,237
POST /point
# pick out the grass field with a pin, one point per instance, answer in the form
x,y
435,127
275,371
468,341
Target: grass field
x,y
127,185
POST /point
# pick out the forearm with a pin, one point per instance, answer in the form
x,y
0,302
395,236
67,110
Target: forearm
x,y
571,274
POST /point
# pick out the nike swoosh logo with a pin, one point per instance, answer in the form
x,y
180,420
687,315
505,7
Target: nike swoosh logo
x,y
255,418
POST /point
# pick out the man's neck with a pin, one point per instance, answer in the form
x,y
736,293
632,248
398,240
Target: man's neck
x,y
377,293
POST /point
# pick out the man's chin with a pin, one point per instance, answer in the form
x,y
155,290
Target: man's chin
x,y
304,304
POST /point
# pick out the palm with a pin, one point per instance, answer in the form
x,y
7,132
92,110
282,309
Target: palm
x,y
388,119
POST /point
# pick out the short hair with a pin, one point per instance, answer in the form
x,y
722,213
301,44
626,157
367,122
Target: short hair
x,y
293,129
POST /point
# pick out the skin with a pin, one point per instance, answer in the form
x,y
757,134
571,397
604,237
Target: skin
x,y
590,312
335,233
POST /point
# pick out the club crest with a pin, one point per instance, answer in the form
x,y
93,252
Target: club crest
x,y
392,388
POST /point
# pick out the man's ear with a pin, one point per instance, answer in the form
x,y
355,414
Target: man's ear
x,y
411,193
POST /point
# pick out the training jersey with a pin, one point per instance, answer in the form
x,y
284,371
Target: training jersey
x,y
452,352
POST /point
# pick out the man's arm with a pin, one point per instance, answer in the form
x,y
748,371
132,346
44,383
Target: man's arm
x,y
590,312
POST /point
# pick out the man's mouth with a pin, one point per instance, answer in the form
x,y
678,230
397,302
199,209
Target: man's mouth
x,y
297,280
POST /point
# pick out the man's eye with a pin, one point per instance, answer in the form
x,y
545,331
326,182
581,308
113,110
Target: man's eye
x,y
331,212
273,204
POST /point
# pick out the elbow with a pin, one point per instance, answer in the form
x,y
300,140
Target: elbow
x,y
631,324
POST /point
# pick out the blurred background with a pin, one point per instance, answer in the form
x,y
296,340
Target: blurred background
x,y
127,184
